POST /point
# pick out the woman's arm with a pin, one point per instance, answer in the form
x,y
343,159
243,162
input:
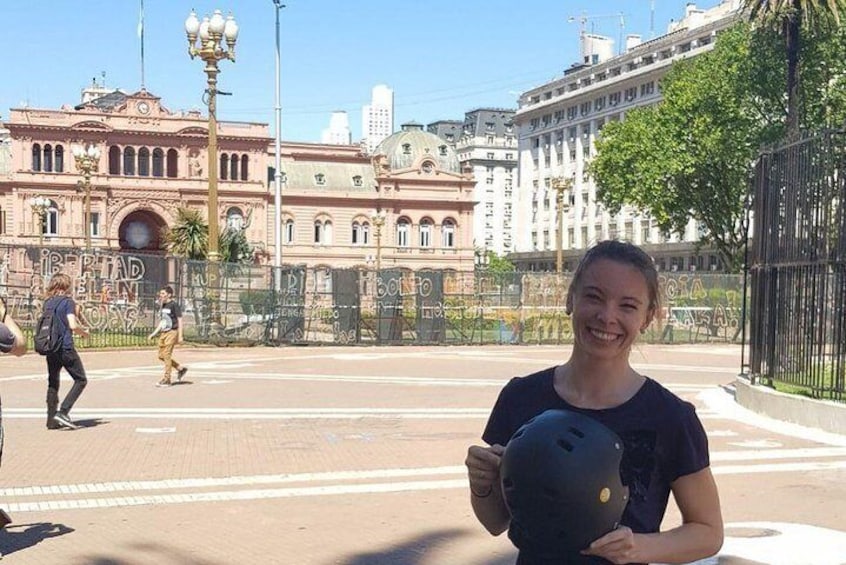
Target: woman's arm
x,y
699,536
75,326
485,489
19,348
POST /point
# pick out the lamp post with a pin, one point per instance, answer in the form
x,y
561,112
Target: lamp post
x,y
378,218
212,33
277,173
210,49
87,161
39,206
562,186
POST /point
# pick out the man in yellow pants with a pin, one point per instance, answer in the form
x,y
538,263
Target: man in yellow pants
x,y
169,331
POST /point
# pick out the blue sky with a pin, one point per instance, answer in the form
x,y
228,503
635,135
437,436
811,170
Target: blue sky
x,y
441,57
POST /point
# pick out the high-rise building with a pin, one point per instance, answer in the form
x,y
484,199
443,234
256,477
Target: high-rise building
x,y
338,132
377,118
486,144
558,123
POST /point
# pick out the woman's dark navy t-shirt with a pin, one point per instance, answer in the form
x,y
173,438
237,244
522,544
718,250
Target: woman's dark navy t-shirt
x,y
662,436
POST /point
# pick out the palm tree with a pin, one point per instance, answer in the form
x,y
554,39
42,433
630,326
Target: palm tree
x,y
189,236
789,16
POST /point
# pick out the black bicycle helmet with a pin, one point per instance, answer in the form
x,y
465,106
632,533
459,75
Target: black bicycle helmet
x,y
561,479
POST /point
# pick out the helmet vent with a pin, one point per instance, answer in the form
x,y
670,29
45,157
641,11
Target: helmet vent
x,y
577,432
565,445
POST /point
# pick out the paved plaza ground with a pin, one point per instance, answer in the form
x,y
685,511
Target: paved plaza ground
x,y
351,456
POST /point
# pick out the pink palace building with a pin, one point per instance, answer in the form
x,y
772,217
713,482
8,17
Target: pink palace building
x,y
408,205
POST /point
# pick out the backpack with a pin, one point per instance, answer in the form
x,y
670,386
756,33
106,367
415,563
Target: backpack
x,y
49,331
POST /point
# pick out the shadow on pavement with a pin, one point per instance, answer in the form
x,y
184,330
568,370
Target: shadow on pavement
x,y
417,551
91,422
149,553
16,537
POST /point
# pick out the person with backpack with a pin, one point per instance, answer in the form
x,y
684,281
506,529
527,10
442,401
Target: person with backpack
x,y
169,331
54,339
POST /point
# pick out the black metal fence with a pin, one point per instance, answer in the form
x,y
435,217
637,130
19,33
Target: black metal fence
x,y
799,260
260,305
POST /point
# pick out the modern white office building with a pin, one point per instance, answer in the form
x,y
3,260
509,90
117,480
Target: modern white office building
x,y
486,144
559,122
338,132
377,118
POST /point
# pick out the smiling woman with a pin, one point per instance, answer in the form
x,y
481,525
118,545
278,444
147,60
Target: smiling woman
x,y
612,299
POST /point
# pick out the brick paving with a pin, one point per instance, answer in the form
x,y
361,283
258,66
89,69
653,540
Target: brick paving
x,y
346,456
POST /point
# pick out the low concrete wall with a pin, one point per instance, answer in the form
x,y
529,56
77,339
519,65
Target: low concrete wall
x,y
821,414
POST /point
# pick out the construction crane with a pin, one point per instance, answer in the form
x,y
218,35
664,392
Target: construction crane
x,y
584,18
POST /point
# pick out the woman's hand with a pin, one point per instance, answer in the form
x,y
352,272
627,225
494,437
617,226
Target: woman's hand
x,y
618,546
483,468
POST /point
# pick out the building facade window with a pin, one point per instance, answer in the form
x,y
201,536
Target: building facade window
x,y
114,160
403,229
323,232
158,162
48,159
51,220
95,224
360,233
448,233
224,167
59,164
36,157
245,163
425,232
288,232
172,163
129,161
143,162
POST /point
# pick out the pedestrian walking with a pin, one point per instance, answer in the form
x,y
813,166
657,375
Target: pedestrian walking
x,y
169,331
612,298
67,314
12,342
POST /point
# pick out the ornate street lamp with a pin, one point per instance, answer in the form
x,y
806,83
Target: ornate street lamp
x,y
39,206
378,219
206,41
562,187
87,161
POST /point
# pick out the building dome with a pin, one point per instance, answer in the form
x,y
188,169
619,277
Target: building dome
x,y
412,145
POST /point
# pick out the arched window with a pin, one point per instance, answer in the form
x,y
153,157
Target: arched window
x,y
448,233
36,157
244,164
425,232
48,159
143,162
403,229
158,162
360,233
51,220
224,166
128,161
114,160
172,163
60,159
233,167
235,219
323,232
288,232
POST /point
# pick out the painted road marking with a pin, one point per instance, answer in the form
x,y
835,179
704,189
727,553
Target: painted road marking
x,y
10,493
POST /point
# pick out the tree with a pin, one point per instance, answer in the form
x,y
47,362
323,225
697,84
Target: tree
x,y
788,17
499,263
688,157
189,236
